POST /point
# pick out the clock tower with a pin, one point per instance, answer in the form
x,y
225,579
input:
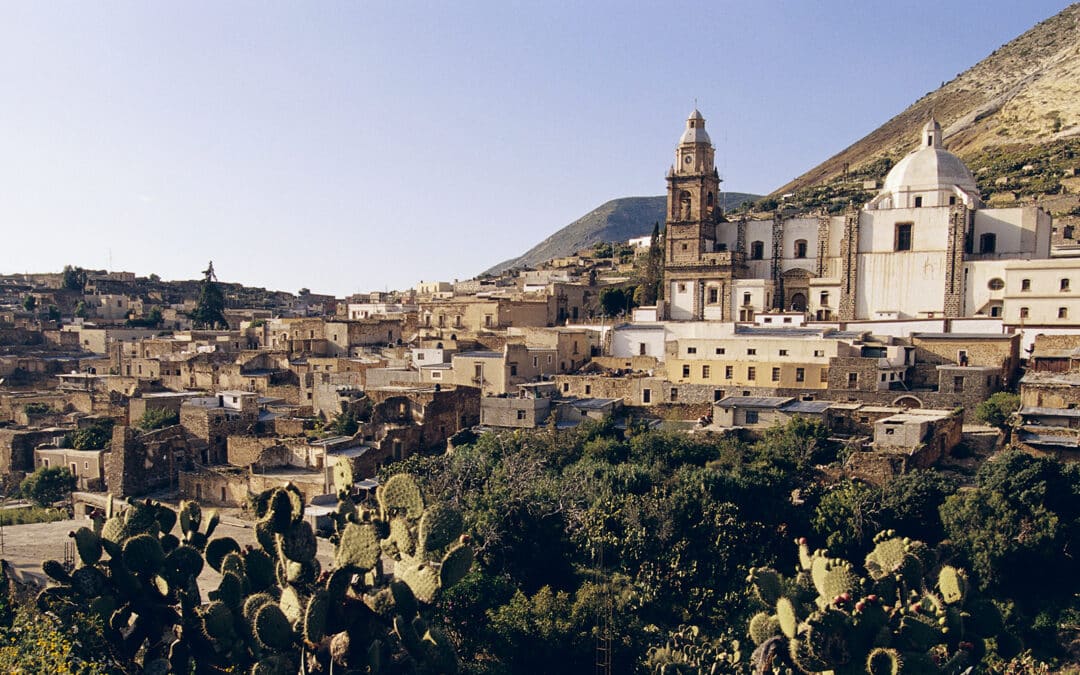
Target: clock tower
x,y
697,272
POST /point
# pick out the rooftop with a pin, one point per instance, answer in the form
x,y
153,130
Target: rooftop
x,y
753,401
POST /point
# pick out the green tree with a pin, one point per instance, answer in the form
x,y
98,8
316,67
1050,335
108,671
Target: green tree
x,y
48,485
615,301
157,418
847,517
94,437
74,278
29,303
52,313
81,311
210,310
345,424
910,503
997,409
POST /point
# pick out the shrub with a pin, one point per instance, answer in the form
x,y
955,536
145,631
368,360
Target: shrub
x,y
157,418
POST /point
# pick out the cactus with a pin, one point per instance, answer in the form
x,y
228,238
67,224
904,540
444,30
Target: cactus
x,y
908,609
439,526
400,495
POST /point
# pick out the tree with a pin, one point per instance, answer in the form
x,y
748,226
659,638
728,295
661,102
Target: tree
x,y
48,485
94,437
210,311
80,310
52,313
615,301
74,278
29,303
997,409
847,517
157,418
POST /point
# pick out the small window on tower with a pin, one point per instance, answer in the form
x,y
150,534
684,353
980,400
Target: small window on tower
x,y
903,237
918,202
800,248
757,250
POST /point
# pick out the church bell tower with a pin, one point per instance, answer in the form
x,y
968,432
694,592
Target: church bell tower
x,y
693,195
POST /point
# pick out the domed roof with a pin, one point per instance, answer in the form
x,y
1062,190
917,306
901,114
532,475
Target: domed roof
x,y
931,167
695,129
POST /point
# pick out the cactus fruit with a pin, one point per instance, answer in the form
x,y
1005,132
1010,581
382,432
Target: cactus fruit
x,y
359,547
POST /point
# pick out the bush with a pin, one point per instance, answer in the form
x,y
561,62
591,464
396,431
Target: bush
x,y
997,409
38,409
94,437
48,485
157,418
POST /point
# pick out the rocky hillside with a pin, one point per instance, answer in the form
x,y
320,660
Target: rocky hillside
x,y
1024,95
617,220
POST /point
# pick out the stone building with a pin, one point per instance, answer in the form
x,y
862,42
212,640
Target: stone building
x,y
924,247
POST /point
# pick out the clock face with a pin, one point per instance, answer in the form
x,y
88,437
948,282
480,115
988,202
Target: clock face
x,y
687,159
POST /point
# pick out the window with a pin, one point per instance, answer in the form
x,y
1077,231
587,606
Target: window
x,y
751,373
819,352
852,380
800,248
682,287
536,362
903,237
704,372
988,243
783,352
1023,312
641,349
521,414
775,374
566,388
995,284
800,374
588,390
1063,312
686,370
757,250
714,295
751,417
995,311
958,384
883,377
720,350
1064,285
824,375
1025,284
751,351
1068,233
717,394
746,298
952,200
691,350
646,396
513,370
918,202
729,372
674,394
824,299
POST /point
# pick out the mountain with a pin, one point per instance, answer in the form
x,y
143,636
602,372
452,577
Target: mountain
x,y
1024,95
617,220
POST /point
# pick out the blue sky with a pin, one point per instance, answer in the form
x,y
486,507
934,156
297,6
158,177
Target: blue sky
x,y
357,146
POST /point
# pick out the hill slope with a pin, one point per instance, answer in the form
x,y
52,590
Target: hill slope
x,y
1025,93
616,220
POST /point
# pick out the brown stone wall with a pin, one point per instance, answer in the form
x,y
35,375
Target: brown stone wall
x,y
139,463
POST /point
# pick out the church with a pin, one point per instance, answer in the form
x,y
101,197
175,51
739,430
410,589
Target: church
x,y
925,247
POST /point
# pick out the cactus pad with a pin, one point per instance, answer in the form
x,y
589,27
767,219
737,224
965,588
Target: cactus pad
x,y
217,549
439,526
785,615
359,547
272,628
401,495
767,585
182,563
883,661
953,584
89,545
292,605
190,517
314,623
89,581
422,579
56,571
218,621
763,626
455,565
297,543
260,569
253,603
143,554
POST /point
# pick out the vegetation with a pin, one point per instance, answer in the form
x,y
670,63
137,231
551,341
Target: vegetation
x,y
38,408
653,277
151,320
615,301
275,609
210,310
48,485
997,409
157,418
74,279
96,436
31,514
29,303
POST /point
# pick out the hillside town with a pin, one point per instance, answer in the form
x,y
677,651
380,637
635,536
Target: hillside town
x,y
890,324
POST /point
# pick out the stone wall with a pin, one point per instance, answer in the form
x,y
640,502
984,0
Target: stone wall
x,y
139,463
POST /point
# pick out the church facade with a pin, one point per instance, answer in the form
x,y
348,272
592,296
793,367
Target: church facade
x,y
924,247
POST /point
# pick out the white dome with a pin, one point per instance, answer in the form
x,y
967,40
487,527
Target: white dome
x,y
930,168
695,129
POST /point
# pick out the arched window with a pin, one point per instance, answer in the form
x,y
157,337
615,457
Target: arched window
x,y
800,248
988,243
709,200
757,250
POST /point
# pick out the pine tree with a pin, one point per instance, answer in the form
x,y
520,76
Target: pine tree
x,y
210,312
654,269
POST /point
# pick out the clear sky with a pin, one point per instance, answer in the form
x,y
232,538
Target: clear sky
x,y
356,146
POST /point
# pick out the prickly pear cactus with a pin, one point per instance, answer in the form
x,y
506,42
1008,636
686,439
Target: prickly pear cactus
x,y
909,614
